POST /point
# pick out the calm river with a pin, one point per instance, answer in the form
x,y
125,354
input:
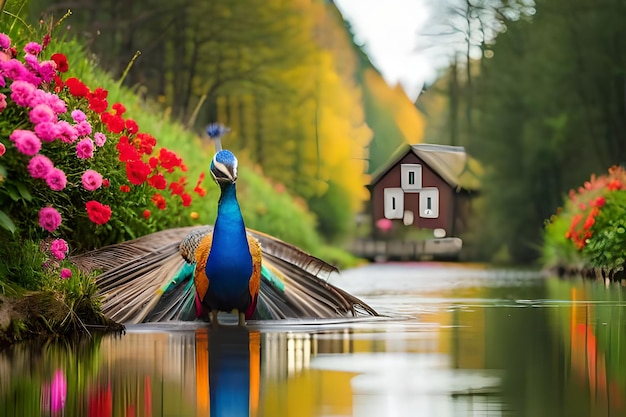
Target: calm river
x,y
457,340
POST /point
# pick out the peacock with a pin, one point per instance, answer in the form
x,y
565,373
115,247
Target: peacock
x,y
191,273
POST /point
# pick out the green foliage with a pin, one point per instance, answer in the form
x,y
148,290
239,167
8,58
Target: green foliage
x,y
334,221
606,248
557,250
589,231
21,261
278,213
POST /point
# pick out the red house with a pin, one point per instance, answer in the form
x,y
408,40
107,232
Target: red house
x,y
426,186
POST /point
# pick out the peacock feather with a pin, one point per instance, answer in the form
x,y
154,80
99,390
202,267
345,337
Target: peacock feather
x,y
149,280
184,273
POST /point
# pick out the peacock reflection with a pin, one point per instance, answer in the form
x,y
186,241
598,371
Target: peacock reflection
x,y
208,372
232,361
227,371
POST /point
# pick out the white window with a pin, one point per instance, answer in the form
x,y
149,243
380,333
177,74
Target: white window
x,y
394,203
411,177
429,203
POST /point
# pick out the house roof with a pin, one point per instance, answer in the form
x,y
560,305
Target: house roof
x,y
451,162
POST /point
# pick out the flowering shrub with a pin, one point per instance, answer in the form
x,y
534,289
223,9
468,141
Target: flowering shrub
x,y
76,173
595,221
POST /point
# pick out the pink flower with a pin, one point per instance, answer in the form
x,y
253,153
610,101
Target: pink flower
x,y
5,41
56,179
32,62
25,141
32,48
39,166
92,180
66,132
99,138
66,273
55,102
384,224
22,93
46,131
84,149
42,113
78,116
59,248
3,149
49,219
3,102
83,128
16,71
47,70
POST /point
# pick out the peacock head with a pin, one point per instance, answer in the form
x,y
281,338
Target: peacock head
x,y
224,167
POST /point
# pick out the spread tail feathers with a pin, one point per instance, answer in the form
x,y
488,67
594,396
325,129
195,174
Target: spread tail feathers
x,y
151,279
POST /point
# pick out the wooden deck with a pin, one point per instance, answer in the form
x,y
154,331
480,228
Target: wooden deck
x,y
448,248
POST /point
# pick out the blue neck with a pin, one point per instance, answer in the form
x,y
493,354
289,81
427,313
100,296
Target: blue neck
x,y
229,258
228,211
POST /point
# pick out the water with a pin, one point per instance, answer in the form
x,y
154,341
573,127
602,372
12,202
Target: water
x,y
457,340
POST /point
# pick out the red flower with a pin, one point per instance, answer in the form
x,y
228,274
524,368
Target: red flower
x,y
125,188
132,126
137,172
146,214
58,83
119,109
76,87
597,202
99,93
169,160
589,222
157,181
61,61
159,200
127,151
113,122
198,188
178,188
614,185
98,105
46,41
98,213
186,199
600,201
106,183
575,220
146,143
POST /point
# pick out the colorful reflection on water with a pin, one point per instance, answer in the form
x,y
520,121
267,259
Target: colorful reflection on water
x,y
460,341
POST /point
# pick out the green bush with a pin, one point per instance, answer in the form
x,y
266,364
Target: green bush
x,y
590,230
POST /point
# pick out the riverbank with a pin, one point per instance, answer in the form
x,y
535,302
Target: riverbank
x,y
48,315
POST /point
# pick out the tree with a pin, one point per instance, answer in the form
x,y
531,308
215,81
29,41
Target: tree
x,y
550,111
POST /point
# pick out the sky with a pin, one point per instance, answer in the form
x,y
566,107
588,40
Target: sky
x,y
389,32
